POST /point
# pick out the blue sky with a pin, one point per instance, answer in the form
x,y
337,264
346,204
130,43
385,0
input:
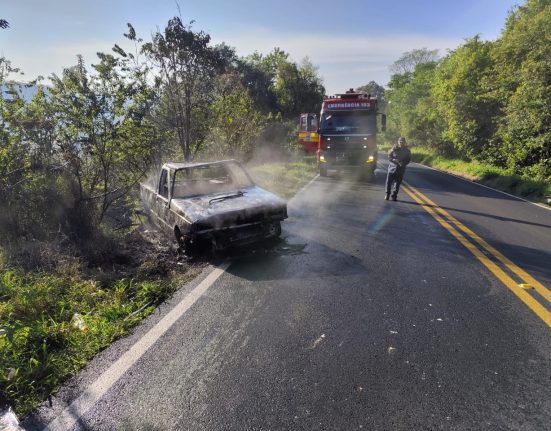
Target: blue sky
x,y
351,41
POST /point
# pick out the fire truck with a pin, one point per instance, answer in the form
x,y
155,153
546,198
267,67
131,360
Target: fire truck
x,y
308,133
347,134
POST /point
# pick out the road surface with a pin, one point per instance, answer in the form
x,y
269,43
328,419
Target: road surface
x,y
370,315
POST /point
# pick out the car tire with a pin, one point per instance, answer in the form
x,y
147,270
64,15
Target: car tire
x,y
273,230
185,245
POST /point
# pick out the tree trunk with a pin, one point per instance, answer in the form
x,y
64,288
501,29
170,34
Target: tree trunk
x,y
187,126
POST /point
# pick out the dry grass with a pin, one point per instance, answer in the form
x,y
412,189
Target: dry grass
x,y
284,178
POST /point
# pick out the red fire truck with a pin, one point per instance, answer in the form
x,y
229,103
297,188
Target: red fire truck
x,y
308,132
348,133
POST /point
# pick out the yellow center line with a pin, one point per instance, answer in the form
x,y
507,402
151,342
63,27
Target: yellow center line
x,y
523,275
520,292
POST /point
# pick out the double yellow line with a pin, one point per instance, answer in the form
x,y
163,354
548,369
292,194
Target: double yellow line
x,y
477,245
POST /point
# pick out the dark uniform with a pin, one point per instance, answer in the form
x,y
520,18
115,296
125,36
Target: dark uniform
x,y
398,159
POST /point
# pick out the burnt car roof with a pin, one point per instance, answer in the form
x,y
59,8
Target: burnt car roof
x,y
182,165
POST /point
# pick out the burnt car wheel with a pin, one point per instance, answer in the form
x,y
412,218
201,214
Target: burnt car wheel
x,y
273,229
179,235
186,245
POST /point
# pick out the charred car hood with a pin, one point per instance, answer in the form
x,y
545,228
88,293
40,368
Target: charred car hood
x,y
216,211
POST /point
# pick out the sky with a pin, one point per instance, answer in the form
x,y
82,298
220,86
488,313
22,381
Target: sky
x,y
351,42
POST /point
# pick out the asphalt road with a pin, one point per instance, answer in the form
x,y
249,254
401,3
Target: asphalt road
x,y
368,315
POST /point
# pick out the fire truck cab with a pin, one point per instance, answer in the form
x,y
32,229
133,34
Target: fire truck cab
x,y
348,133
308,132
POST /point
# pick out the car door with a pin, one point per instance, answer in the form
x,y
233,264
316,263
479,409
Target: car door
x,y
162,199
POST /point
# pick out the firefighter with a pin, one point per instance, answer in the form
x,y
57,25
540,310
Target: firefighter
x,y
398,158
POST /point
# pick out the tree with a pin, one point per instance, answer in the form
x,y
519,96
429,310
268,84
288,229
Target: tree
x,y
485,100
374,89
410,59
280,85
523,86
297,87
6,69
412,110
15,160
187,65
15,154
312,89
257,79
462,88
236,120
102,139
410,107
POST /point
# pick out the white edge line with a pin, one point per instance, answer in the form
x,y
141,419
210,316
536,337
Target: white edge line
x,y
546,207
74,411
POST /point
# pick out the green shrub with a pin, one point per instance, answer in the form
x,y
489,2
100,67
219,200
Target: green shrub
x,y
52,324
493,176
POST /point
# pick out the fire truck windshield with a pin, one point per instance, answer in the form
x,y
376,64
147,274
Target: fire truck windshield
x,y
349,122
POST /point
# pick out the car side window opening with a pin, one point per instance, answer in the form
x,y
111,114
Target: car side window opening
x,y
303,123
312,123
163,184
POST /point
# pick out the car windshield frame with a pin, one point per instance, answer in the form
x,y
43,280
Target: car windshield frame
x,y
209,179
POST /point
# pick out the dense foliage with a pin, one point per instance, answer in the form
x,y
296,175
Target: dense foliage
x,y
488,101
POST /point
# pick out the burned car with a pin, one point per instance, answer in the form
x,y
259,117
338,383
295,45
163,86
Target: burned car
x,y
212,205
